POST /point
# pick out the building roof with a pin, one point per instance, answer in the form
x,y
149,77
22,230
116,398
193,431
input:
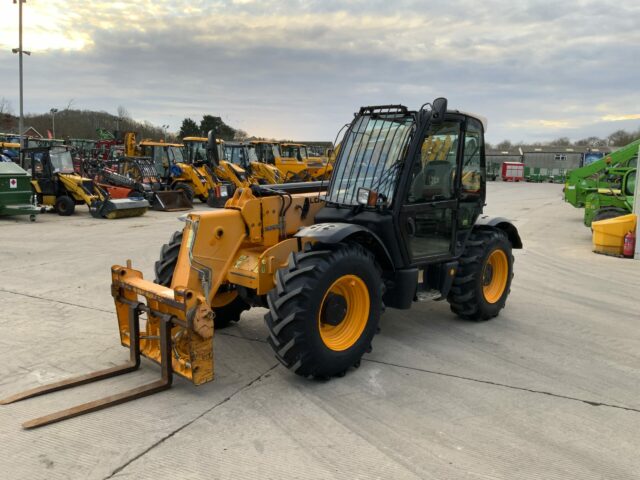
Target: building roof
x,y
495,152
561,149
37,133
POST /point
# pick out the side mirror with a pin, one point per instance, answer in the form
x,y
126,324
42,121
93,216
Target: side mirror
x,y
439,109
212,148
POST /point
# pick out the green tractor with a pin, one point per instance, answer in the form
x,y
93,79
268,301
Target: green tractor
x,y
590,178
613,200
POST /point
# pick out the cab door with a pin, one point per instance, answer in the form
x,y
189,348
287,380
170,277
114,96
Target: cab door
x,y
428,216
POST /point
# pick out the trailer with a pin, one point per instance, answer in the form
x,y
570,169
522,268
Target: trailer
x,y
512,171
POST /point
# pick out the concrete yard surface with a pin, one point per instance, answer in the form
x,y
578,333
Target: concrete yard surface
x,y
550,389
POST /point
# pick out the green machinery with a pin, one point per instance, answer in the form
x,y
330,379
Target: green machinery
x,y
589,179
613,200
544,175
16,196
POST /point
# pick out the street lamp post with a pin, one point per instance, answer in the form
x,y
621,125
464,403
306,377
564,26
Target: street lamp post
x,y
53,112
164,130
20,51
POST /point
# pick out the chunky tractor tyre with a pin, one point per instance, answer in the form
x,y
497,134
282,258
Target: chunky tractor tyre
x,y
607,213
164,268
324,310
483,280
65,205
186,188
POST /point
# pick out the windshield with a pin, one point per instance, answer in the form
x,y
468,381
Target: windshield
x,y
291,152
61,161
234,154
251,150
370,157
175,155
196,151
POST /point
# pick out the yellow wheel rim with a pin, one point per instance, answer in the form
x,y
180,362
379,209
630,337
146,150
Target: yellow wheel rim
x,y
344,312
494,276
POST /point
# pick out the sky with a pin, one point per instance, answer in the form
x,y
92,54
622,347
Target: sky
x,y
298,69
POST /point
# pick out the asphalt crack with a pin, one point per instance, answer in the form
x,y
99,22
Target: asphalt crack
x,y
2,290
190,422
504,385
592,403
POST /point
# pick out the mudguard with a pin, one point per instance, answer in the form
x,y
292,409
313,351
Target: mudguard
x,y
503,224
335,232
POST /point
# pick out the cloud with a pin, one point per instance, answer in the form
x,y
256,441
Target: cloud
x,y
617,118
299,69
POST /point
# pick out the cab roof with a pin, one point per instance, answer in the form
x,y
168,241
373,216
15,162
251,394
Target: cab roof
x,y
151,143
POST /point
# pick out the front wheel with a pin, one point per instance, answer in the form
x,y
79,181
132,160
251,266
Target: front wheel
x,y
65,205
324,310
483,280
186,188
225,313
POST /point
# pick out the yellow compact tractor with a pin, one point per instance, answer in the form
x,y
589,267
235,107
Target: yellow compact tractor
x,y
389,230
57,185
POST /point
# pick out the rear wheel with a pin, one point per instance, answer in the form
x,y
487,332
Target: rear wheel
x,y
186,188
224,314
325,310
483,280
65,205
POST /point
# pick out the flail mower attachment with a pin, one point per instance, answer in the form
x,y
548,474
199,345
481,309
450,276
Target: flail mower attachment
x,y
119,208
174,328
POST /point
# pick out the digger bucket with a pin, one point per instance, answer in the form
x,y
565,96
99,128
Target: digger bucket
x,y
174,328
170,201
120,208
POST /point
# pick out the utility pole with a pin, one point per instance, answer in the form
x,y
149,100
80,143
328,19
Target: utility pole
x,y
19,51
53,112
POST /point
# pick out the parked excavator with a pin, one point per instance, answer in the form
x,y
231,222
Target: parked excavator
x,y
393,227
57,185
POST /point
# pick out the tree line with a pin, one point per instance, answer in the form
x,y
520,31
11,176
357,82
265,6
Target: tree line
x,y
75,123
619,138
190,128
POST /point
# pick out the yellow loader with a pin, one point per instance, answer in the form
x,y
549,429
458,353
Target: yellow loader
x,y
57,185
391,228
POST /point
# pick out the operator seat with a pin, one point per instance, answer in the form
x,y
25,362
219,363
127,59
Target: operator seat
x,y
433,182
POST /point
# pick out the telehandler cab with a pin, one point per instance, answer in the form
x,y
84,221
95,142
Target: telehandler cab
x,y
400,221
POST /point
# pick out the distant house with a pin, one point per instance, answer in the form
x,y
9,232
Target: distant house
x,y
32,132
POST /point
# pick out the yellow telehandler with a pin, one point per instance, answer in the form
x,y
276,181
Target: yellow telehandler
x,y
393,226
